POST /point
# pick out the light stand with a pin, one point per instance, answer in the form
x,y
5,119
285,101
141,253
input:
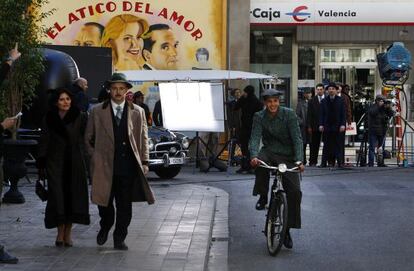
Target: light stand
x,y
197,139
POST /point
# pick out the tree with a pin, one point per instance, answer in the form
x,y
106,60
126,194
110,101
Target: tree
x,y
21,23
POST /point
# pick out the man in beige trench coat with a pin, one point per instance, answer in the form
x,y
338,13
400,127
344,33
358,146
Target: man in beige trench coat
x,y
117,140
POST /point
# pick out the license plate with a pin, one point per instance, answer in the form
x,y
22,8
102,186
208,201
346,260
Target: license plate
x,y
176,160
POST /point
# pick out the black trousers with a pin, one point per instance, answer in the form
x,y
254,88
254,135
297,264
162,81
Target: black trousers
x,y
315,143
331,148
121,192
291,185
341,140
244,147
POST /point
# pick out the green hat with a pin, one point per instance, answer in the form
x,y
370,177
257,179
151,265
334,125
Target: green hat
x,y
268,93
118,78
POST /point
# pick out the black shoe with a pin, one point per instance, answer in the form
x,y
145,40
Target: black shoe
x,y
261,203
322,166
120,246
5,257
68,244
288,243
59,243
102,237
382,165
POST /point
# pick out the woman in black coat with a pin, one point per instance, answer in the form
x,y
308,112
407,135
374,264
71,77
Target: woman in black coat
x,y
61,158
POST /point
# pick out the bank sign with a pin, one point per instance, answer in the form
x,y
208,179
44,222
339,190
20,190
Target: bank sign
x,y
331,12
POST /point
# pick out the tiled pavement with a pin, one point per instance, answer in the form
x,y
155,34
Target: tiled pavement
x,y
174,234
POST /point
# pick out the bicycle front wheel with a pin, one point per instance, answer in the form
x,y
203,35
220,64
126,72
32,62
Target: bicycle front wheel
x,y
276,223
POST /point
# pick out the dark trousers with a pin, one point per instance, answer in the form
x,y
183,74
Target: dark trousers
x,y
291,184
331,148
375,141
341,143
244,147
315,143
121,192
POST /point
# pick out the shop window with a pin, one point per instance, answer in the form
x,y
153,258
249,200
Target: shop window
x,y
269,47
348,55
306,63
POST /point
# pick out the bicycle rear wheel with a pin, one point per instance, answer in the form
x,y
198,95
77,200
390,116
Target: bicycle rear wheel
x,y
276,223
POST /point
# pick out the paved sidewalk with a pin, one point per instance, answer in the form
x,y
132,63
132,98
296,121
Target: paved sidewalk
x,y
173,234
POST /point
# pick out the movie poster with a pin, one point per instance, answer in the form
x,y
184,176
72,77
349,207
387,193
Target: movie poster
x,y
162,34
150,35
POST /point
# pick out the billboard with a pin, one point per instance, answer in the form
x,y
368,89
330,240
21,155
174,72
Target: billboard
x,y
159,35
334,12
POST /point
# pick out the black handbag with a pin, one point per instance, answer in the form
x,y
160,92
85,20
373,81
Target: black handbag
x,y
41,189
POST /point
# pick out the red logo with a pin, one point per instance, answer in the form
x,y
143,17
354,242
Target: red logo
x,y
299,16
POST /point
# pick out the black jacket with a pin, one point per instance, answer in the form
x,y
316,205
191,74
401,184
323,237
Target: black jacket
x,y
378,118
81,100
332,114
4,70
313,114
248,105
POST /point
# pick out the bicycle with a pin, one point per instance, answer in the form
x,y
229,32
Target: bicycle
x,y
277,213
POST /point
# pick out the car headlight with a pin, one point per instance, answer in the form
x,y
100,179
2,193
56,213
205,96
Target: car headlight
x,y
151,144
185,142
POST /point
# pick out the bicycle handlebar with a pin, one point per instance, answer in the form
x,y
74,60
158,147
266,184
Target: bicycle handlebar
x,y
279,168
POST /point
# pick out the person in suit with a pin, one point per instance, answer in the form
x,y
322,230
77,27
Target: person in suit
x,y
117,140
332,123
81,98
138,99
302,113
7,123
348,115
61,161
313,124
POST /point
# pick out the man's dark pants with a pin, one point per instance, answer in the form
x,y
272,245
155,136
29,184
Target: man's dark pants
x,y
244,147
374,142
331,148
121,192
315,143
291,184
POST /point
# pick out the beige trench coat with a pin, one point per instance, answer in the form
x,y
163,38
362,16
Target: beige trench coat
x,y
99,139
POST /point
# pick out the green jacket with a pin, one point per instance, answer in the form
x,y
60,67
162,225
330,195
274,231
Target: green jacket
x,y
280,135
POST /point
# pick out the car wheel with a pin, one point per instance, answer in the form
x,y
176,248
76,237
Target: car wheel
x,y
167,173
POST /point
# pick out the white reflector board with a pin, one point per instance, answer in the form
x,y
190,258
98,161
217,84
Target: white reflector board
x,y
192,106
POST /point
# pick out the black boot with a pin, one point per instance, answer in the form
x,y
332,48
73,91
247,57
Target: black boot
x,y
261,203
288,243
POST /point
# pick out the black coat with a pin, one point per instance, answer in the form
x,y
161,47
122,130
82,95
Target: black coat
x,y
378,118
248,105
157,114
60,153
332,114
4,70
81,100
313,114
302,114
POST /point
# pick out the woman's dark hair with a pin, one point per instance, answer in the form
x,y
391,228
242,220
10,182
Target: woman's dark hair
x,y
55,94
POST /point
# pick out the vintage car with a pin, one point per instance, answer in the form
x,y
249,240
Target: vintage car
x,y
168,151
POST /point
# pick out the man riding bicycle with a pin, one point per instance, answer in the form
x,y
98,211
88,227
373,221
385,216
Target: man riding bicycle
x,y
278,128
